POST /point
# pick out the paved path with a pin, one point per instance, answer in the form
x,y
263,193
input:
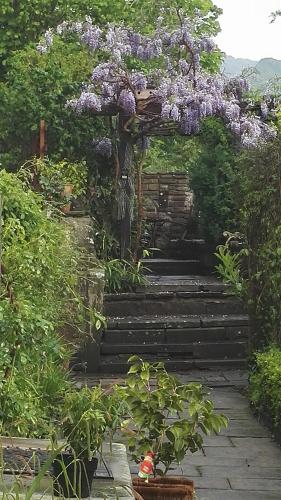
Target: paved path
x,y
243,462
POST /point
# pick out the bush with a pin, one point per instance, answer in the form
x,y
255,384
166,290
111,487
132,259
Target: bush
x,y
39,274
260,173
265,384
123,276
212,179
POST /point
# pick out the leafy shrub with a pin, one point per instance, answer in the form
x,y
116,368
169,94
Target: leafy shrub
x,y
39,274
212,179
260,199
154,397
122,275
52,177
265,384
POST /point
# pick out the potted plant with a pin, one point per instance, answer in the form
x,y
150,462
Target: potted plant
x,y
83,426
168,419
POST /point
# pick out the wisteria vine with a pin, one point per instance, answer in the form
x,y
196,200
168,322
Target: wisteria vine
x,y
180,93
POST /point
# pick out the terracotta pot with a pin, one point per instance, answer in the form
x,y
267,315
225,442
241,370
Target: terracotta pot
x,y
165,488
68,189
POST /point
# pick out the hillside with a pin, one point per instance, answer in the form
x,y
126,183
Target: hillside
x,y
264,70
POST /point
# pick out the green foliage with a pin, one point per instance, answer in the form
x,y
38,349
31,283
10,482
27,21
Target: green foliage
x,y
87,416
265,384
213,179
229,268
37,88
39,276
171,154
123,276
231,264
52,177
153,397
83,424
25,21
260,198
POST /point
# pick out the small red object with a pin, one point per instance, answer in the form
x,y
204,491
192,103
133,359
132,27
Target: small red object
x,y
147,466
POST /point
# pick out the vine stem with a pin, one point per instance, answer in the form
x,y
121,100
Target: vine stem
x,y
139,205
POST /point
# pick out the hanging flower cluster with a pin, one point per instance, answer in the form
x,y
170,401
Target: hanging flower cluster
x,y
181,93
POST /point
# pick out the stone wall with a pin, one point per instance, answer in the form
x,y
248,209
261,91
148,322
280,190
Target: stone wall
x,y
91,291
168,206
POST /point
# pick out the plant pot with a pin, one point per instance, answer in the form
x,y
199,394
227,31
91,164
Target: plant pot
x,y
165,488
73,477
66,193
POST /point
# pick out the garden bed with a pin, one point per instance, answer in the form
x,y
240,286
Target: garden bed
x,y
108,484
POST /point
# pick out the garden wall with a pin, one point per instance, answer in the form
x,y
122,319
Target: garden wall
x,y
168,206
91,291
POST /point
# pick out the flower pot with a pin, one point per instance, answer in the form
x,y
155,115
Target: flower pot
x,y
66,193
73,477
165,488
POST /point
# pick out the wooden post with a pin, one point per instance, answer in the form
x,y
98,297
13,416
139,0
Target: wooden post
x,y
42,139
125,182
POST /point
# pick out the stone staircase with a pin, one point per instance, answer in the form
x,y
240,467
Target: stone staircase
x,y
186,320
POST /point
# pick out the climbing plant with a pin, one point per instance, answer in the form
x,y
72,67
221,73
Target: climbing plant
x,y
153,85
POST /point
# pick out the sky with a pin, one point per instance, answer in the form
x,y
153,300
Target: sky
x,y
246,29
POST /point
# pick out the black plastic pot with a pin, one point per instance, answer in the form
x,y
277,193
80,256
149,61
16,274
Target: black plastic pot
x,y
73,477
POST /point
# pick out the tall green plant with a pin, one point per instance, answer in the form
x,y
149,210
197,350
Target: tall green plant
x,y
154,397
213,180
260,200
39,275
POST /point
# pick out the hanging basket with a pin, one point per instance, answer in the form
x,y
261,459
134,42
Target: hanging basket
x,y
165,488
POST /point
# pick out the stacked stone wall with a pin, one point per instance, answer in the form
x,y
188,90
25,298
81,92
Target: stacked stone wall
x,y
168,204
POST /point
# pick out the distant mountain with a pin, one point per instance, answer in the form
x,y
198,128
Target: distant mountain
x,y
260,72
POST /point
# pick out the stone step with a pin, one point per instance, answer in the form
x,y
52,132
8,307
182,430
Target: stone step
x,y
177,322
175,336
173,267
184,283
171,303
194,350
112,364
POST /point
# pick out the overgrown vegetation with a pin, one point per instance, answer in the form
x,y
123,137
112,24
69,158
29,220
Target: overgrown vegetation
x,y
260,198
265,385
212,178
38,280
123,275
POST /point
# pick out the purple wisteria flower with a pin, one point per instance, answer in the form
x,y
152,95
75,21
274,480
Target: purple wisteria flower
x,y
183,94
103,146
127,102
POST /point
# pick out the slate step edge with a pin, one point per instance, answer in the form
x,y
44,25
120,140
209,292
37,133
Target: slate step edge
x,y
160,295
115,364
167,322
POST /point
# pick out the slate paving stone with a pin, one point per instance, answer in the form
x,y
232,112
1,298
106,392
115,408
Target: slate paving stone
x,y
236,452
242,428
256,484
231,461
236,495
217,441
214,483
251,472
